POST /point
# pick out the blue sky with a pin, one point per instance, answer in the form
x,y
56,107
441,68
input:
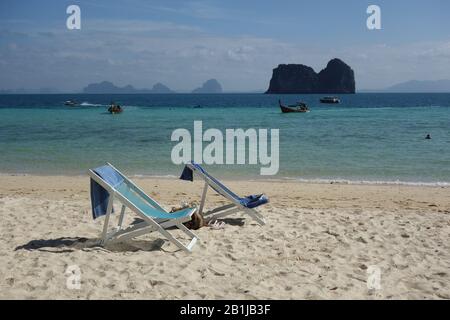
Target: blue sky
x,y
184,43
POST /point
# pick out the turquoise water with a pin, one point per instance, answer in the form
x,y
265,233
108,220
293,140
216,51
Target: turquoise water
x,y
368,137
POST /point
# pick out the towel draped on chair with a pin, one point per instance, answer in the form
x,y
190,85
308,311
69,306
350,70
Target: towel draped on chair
x,y
99,196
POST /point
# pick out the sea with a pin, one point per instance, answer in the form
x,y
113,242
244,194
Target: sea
x,y
369,138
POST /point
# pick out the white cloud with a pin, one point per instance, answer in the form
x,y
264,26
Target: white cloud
x,y
380,66
142,53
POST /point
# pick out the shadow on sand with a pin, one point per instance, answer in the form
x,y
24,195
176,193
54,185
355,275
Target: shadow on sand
x,y
71,244
234,221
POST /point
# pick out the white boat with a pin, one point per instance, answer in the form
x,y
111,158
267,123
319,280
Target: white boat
x,y
71,103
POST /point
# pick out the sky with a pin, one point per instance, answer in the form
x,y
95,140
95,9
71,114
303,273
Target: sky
x,y
184,43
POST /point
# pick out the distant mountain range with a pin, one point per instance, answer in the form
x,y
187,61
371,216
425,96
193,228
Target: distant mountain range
x,y
30,91
421,86
213,86
109,87
424,86
105,87
210,86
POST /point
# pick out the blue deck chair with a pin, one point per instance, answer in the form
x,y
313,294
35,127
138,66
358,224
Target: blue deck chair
x,y
109,184
246,204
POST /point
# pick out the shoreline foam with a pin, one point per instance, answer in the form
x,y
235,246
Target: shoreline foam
x,y
265,179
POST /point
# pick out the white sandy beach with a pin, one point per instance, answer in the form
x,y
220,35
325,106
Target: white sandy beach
x,y
318,243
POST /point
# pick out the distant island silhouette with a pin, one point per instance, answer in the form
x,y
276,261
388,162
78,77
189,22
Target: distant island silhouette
x,y
213,86
210,86
337,77
109,87
424,86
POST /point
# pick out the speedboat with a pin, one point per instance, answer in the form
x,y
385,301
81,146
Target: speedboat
x,y
330,100
299,107
71,103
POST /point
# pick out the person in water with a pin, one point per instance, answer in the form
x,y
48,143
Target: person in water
x,y
114,108
428,137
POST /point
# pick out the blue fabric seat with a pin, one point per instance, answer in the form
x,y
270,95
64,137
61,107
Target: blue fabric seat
x,y
108,185
250,202
100,196
140,203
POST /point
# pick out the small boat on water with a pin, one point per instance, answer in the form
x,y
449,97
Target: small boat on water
x,y
71,103
115,108
330,100
299,107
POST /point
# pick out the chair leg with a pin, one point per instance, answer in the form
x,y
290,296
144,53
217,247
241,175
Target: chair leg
x,y
172,239
221,214
108,214
202,203
122,215
256,216
183,228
